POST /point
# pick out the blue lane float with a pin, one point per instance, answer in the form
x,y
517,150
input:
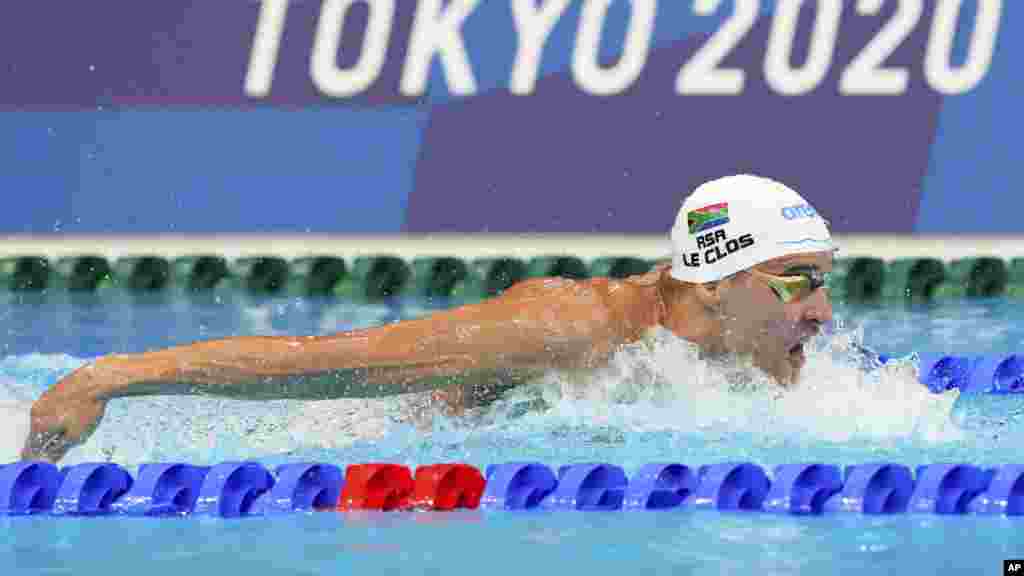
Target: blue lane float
x,y
946,488
229,489
90,489
802,489
28,488
302,487
163,490
940,372
517,485
877,488
730,486
660,486
972,374
994,375
588,487
1005,493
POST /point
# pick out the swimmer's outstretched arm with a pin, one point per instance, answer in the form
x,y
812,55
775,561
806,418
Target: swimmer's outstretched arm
x,y
536,325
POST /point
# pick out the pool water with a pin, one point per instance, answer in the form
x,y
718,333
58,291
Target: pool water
x,y
657,404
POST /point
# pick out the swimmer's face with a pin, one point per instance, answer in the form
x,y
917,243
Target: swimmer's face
x,y
772,310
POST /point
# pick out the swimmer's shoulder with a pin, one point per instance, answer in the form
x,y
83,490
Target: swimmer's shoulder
x,y
630,303
629,287
649,280
637,301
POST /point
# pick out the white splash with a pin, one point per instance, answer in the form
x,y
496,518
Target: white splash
x,y
14,428
22,378
662,386
666,387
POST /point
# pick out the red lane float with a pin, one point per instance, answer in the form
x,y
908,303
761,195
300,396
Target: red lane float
x,y
448,486
393,487
376,487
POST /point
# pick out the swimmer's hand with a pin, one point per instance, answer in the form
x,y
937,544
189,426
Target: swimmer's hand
x,y
60,423
65,415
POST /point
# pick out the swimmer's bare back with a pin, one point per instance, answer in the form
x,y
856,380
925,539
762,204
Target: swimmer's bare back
x,y
536,325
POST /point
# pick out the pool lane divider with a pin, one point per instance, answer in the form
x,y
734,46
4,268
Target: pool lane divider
x,y
374,276
248,489
972,374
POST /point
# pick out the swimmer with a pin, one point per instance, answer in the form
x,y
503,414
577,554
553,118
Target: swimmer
x,y
746,279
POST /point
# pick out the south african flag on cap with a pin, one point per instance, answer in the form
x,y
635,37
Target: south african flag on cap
x,y
707,217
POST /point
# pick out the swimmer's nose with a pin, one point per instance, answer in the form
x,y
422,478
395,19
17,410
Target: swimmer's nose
x,y
819,307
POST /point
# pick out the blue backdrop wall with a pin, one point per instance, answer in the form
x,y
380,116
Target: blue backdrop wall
x,y
132,119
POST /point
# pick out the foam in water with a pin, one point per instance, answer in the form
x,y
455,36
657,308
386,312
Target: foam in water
x,y
22,379
649,398
667,387
14,428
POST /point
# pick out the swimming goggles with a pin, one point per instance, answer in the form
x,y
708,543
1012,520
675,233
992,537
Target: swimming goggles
x,y
798,282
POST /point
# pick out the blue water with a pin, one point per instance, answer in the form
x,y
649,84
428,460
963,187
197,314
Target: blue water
x,y
650,405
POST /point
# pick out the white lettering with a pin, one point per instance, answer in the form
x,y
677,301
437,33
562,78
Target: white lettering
x,y
437,30
533,26
779,74
265,46
586,68
701,75
943,77
330,79
866,74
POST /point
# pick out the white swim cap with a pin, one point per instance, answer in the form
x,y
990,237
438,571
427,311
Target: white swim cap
x,y
734,223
